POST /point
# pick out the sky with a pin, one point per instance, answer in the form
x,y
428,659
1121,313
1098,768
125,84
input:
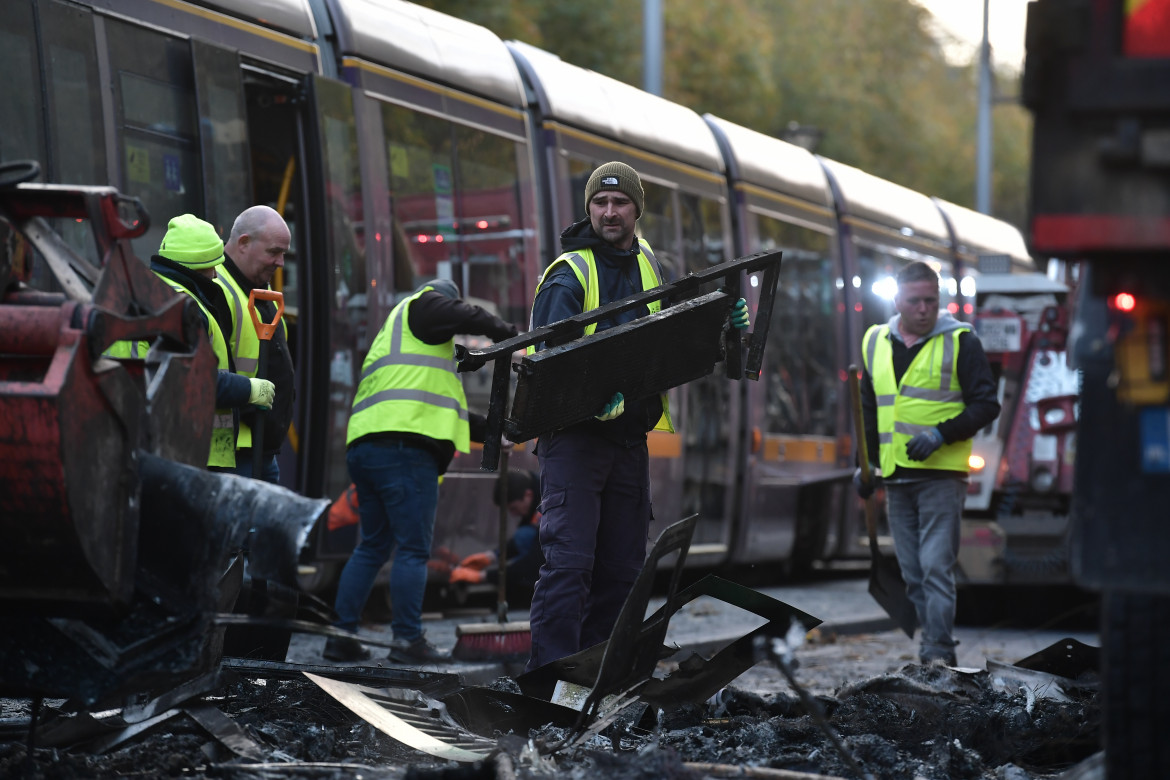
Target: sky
x,y
963,19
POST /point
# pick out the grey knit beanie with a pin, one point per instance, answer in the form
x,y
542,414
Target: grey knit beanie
x,y
616,176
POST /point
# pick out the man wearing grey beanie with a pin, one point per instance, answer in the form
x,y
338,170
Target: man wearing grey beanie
x,y
595,475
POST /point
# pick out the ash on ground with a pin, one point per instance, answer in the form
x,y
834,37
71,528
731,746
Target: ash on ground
x,y
920,722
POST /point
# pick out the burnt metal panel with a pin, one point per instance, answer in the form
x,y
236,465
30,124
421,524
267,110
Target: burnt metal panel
x,y
568,384
647,356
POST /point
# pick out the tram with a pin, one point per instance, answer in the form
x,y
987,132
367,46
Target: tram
x,y
402,144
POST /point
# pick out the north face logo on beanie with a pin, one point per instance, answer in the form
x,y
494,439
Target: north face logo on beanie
x,y
609,181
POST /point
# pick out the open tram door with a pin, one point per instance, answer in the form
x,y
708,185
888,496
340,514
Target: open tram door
x,y
303,140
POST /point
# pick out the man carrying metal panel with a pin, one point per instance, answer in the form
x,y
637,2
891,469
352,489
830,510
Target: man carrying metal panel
x,y
595,477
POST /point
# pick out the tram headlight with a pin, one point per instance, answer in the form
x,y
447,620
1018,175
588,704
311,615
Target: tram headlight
x,y
976,462
1043,480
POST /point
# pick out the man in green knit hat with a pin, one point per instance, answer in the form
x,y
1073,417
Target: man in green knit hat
x,y
186,260
595,475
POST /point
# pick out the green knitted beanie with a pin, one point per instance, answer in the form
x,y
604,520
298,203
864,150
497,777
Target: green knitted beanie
x,y
616,176
192,242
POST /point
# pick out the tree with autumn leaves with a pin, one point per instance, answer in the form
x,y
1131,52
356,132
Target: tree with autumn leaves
x,y
867,73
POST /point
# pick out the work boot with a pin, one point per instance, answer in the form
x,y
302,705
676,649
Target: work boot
x,y
419,651
344,649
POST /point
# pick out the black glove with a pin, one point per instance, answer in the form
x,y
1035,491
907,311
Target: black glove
x,y
924,444
864,489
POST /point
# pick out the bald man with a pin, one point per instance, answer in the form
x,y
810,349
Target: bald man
x,y
256,248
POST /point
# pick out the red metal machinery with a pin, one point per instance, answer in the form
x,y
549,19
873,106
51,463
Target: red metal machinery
x,y
1015,523
116,544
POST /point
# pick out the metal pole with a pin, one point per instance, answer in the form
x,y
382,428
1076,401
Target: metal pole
x,y
983,123
652,46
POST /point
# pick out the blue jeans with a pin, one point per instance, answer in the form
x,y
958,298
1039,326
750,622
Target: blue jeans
x,y
595,518
398,490
924,519
244,467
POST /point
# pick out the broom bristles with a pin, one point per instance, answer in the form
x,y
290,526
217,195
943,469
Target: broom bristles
x,y
492,642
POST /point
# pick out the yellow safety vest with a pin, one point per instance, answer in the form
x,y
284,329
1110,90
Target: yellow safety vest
x,y
584,266
223,435
928,394
245,344
409,386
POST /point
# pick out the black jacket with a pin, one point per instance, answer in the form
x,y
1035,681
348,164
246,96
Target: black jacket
x,y
279,371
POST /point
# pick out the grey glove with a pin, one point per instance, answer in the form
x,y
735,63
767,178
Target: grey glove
x,y
924,444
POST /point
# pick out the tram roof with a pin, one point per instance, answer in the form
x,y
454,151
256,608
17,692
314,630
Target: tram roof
x,y
609,108
293,16
885,203
428,44
980,234
774,164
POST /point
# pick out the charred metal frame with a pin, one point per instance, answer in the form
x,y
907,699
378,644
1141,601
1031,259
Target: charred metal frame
x,y
557,371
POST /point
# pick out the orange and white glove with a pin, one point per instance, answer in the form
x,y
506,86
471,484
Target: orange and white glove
x,y
467,574
479,561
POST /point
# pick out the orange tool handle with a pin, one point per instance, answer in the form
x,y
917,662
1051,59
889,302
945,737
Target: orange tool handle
x,y
264,330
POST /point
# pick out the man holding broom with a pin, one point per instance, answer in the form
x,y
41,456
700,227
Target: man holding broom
x,y
409,416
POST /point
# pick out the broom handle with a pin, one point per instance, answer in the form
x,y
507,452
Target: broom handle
x,y
863,454
502,495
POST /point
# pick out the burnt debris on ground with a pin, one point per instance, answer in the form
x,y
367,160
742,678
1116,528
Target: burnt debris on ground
x,y
928,722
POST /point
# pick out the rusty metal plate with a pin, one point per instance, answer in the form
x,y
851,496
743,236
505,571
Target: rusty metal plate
x,y
564,385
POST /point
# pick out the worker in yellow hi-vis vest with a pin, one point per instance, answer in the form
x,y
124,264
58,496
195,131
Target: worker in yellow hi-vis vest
x,y
190,252
255,249
926,390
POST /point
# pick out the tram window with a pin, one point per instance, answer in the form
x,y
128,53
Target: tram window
x,y
800,360
491,228
659,227
21,136
157,131
702,232
422,191
75,114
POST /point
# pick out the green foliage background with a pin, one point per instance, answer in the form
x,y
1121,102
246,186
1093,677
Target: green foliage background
x,y
866,72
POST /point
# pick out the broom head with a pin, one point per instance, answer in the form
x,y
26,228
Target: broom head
x,y
493,642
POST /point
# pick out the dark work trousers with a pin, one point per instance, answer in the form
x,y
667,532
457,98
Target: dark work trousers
x,y
595,519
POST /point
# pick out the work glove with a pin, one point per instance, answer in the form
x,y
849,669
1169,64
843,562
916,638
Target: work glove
x,y
478,561
614,408
739,314
924,444
263,393
864,489
467,574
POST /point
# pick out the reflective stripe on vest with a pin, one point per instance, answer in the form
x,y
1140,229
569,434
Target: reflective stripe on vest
x,y
245,344
409,386
928,394
584,267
